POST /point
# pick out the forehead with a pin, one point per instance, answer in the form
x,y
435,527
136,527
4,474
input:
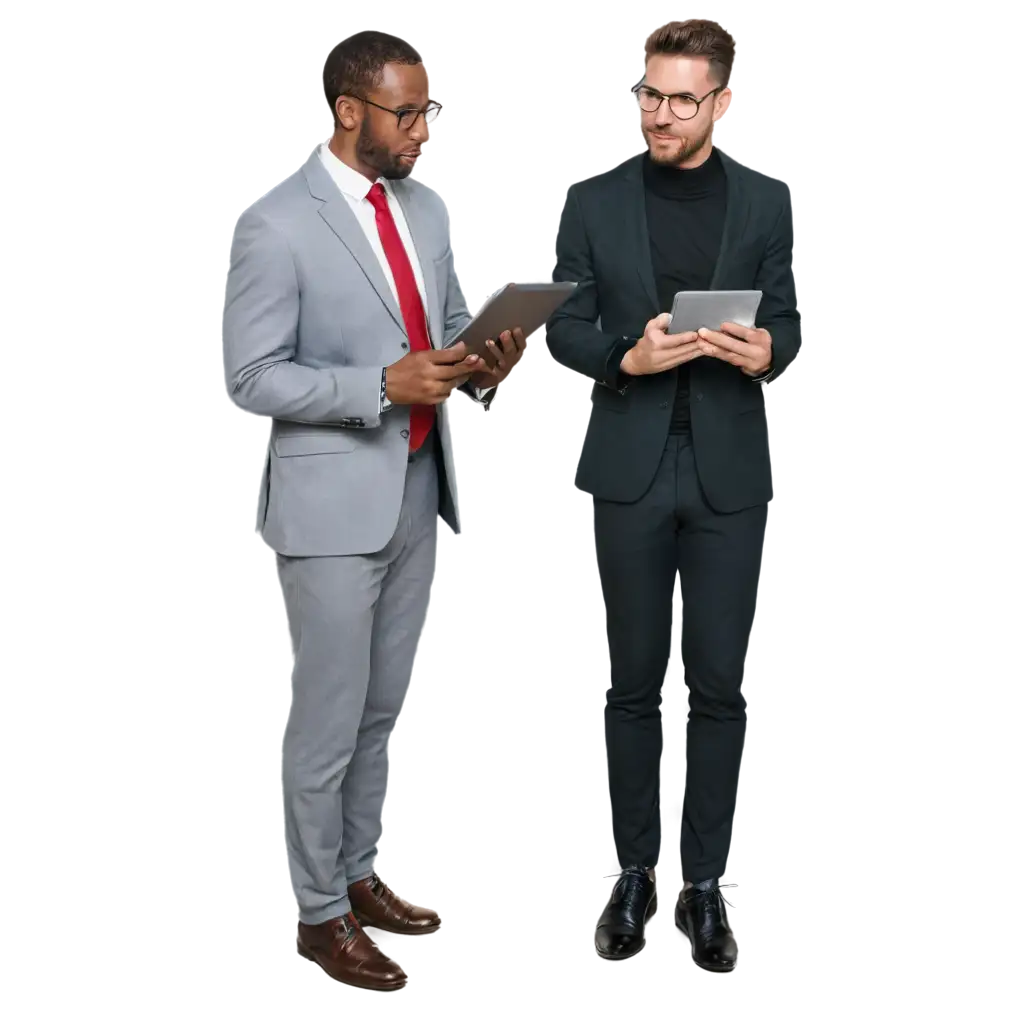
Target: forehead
x,y
403,84
672,74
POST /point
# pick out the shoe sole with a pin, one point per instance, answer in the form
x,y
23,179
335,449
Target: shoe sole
x,y
397,931
308,955
693,956
625,956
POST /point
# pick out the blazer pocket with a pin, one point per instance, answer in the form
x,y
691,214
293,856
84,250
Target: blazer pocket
x,y
332,442
748,406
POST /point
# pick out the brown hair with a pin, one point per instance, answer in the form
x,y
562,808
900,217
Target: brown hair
x,y
695,38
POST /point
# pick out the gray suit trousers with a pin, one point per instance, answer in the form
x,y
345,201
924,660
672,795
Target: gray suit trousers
x,y
355,623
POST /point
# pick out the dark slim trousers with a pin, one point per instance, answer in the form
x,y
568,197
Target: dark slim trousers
x,y
641,546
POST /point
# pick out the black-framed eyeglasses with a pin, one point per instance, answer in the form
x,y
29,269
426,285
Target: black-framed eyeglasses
x,y
407,116
682,104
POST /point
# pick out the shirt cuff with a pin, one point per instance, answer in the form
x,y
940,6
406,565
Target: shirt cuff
x,y
481,393
763,378
385,402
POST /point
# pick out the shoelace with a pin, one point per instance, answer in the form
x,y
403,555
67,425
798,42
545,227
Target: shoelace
x,y
717,890
388,900
381,891
630,880
345,931
705,901
350,931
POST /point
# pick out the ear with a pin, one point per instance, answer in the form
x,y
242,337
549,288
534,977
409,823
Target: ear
x,y
722,101
348,112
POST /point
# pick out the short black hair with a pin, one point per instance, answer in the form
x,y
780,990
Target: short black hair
x,y
356,64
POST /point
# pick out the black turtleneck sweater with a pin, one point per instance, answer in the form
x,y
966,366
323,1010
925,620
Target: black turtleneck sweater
x,y
685,218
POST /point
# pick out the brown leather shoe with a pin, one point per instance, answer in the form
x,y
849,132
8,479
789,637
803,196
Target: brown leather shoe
x,y
376,906
348,954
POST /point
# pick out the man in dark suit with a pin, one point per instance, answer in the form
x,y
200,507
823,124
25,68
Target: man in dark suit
x,y
676,457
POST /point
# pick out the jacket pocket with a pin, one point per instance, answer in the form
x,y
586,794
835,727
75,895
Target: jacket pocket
x,y
323,442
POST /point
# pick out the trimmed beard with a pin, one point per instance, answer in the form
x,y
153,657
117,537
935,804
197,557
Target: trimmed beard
x,y
379,157
688,150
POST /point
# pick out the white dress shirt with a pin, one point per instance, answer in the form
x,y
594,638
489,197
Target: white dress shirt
x,y
355,187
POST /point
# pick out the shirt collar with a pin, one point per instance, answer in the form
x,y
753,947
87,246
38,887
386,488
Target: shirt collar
x,y
350,181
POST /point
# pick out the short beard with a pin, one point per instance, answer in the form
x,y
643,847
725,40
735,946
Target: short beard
x,y
689,148
379,157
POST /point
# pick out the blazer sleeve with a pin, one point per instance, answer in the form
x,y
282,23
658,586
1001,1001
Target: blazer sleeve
x,y
778,313
260,336
573,336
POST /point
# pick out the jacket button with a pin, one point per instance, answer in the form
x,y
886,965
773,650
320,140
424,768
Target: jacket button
x,y
405,344
405,433
663,405
700,396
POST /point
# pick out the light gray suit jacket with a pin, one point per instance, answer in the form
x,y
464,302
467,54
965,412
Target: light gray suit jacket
x,y
309,323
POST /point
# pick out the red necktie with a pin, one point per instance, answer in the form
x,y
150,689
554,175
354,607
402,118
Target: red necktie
x,y
421,416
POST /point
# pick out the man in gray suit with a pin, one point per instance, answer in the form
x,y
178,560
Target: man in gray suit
x,y
340,296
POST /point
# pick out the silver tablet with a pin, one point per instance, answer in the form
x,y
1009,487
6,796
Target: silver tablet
x,y
693,310
515,305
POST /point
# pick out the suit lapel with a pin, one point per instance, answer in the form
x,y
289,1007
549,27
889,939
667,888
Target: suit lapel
x,y
342,221
635,217
418,228
737,211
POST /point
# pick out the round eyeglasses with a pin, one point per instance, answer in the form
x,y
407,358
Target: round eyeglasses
x,y
407,116
682,104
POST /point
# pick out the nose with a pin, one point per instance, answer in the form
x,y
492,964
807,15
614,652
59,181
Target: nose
x,y
663,115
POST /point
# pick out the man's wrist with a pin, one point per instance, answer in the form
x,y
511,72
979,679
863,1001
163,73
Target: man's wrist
x,y
481,395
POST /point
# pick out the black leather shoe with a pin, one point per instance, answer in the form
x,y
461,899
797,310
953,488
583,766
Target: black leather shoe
x,y
700,915
620,930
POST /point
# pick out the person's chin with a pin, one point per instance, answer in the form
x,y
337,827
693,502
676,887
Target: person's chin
x,y
399,170
659,154
663,152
